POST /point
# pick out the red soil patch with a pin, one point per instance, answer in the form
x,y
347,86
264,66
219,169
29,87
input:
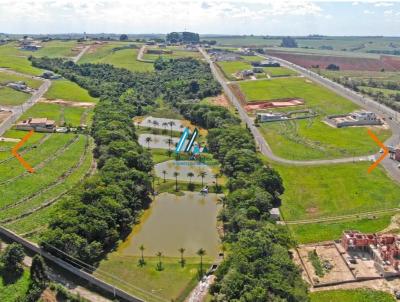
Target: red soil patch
x,y
387,63
220,100
279,103
68,103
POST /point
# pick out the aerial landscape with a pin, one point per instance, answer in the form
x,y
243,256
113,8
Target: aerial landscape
x,y
199,151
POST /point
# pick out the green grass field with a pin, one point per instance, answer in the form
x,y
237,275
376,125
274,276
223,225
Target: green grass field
x,y
146,282
176,53
317,232
12,57
312,138
61,114
355,295
69,91
11,292
11,97
279,71
54,49
6,78
231,67
123,58
332,190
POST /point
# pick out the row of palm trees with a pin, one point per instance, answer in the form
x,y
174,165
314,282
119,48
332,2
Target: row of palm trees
x,y
159,267
164,124
190,175
169,141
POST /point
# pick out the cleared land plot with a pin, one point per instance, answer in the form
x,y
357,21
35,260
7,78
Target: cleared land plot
x,y
12,57
57,48
229,68
326,191
61,114
317,232
66,90
311,139
11,97
358,295
125,58
6,78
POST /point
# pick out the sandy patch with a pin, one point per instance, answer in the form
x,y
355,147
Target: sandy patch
x,y
68,103
220,100
9,139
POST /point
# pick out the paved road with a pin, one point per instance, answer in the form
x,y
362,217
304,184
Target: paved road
x,y
80,54
261,143
19,110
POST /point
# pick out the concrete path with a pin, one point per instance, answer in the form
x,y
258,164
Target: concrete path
x,y
80,54
157,141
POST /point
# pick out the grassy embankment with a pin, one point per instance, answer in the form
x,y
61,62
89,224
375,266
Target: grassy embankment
x,y
125,58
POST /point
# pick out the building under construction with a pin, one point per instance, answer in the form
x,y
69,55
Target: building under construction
x,y
383,249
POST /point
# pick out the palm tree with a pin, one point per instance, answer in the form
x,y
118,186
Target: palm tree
x,y
190,175
171,123
176,174
164,173
182,250
170,141
148,140
202,174
165,124
201,252
223,201
159,264
141,261
216,176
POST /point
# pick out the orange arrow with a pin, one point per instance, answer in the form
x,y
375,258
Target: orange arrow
x,y
19,157
384,148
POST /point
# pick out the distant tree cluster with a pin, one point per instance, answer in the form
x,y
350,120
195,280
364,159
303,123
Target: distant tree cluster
x,y
289,42
333,67
185,37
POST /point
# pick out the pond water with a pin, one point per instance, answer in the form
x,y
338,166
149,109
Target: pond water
x,y
172,222
183,167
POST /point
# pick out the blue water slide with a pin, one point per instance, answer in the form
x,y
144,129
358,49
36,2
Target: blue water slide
x,y
191,141
182,140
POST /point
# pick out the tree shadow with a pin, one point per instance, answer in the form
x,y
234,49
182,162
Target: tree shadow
x,y
10,276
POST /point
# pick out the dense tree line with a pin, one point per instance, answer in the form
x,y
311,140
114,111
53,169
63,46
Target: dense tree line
x,y
185,37
259,266
391,100
105,207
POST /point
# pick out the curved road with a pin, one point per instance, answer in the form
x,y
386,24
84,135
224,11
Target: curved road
x,y
392,118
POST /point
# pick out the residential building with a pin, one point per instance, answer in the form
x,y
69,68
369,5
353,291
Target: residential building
x,y
37,124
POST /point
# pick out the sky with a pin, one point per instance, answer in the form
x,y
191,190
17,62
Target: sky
x,y
233,17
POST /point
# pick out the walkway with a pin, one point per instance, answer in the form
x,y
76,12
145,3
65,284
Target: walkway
x,y
80,54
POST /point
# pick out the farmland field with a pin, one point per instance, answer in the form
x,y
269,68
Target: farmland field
x,y
387,63
279,71
11,97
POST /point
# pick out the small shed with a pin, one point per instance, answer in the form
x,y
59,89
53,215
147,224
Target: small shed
x,y
275,213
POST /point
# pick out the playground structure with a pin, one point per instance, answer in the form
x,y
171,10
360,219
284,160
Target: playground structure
x,y
191,146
